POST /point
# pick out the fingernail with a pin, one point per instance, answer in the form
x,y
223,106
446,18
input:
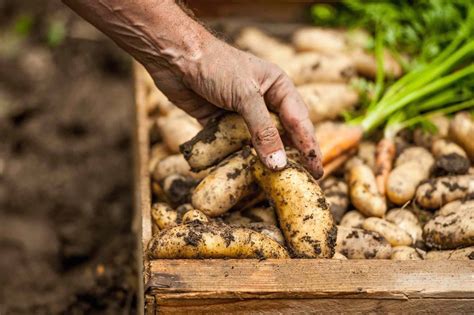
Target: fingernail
x,y
276,160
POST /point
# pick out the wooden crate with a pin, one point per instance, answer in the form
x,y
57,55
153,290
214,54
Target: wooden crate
x,y
287,286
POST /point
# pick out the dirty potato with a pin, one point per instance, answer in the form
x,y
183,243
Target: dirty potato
x,y
411,168
407,221
451,231
229,182
302,210
213,240
437,192
176,128
392,233
455,206
261,214
461,130
407,253
158,152
163,216
352,219
337,195
356,243
269,230
366,153
451,159
175,164
363,190
221,137
194,215
178,188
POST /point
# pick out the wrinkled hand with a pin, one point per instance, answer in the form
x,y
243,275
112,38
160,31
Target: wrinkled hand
x,y
225,78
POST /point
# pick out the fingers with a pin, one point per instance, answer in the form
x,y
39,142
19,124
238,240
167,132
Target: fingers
x,y
265,137
283,97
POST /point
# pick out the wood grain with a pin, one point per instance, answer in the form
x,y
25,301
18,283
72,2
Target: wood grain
x,y
309,278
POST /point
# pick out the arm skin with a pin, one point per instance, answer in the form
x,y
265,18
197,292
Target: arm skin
x,y
203,75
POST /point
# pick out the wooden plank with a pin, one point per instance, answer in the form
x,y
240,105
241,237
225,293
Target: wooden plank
x,y
305,278
315,306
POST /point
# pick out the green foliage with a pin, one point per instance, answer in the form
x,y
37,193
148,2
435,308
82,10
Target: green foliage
x,y
23,24
56,32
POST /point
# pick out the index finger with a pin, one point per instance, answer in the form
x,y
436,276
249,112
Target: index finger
x,y
283,98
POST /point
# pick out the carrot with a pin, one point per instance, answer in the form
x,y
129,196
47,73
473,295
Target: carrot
x,y
384,156
338,140
336,163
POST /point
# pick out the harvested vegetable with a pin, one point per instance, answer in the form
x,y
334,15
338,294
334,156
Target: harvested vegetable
x,y
212,240
337,195
164,216
407,221
352,219
392,233
302,210
455,206
360,244
176,128
407,253
457,254
461,130
437,192
194,215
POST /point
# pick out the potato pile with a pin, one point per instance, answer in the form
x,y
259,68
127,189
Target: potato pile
x,y
212,198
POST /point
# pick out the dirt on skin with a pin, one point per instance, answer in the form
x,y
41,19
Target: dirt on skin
x,y
65,167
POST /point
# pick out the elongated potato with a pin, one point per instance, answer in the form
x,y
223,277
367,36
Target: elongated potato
x,y
392,233
437,192
407,221
412,167
221,137
407,253
178,188
164,216
302,210
366,153
176,128
309,67
455,206
263,45
261,214
360,244
212,240
337,195
228,183
461,130
352,219
457,254
194,215
175,164
451,231
451,159
363,190
366,65
327,100
327,41
269,230
158,152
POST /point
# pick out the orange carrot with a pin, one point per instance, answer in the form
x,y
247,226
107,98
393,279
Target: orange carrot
x,y
336,163
384,156
335,141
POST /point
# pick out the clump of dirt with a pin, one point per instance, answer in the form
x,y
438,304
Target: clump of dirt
x,y
65,167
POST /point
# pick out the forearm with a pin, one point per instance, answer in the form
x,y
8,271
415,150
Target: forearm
x,y
156,32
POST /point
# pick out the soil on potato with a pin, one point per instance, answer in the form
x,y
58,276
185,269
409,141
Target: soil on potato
x,y
66,113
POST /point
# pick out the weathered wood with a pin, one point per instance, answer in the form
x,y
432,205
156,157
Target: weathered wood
x,y
315,306
307,278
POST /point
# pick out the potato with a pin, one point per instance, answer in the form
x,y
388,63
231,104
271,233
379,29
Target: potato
x,y
164,216
228,183
455,206
221,137
412,167
437,192
337,196
328,41
407,253
461,130
450,158
175,164
353,219
339,256
392,233
407,221
176,128
268,230
302,210
158,152
360,244
366,65
262,45
178,188
261,214
310,67
363,190
213,240
366,153
327,100
237,219
194,215
451,231
425,138
158,192
457,254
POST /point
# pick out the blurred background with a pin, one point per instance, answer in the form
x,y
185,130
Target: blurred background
x,y
66,104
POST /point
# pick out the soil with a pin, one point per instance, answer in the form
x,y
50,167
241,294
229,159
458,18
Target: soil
x,y
65,166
